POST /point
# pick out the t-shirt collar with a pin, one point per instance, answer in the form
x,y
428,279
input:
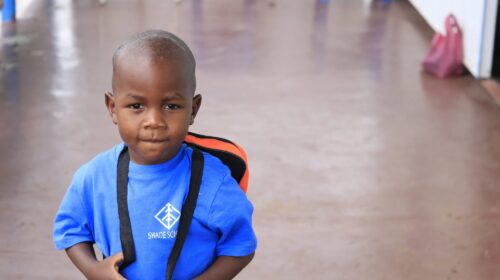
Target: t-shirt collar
x,y
141,170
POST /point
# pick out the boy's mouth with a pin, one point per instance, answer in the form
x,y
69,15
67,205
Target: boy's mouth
x,y
154,140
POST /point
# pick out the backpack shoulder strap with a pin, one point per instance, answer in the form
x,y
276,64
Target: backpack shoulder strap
x,y
126,238
187,210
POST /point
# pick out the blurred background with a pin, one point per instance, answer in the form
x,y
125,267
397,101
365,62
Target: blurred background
x,y
362,166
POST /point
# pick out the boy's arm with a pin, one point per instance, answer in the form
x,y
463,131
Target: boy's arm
x,y
225,267
83,257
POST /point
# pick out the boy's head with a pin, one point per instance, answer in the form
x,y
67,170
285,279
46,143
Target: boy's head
x,y
153,101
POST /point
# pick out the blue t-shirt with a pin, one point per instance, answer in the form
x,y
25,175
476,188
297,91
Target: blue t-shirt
x,y
221,225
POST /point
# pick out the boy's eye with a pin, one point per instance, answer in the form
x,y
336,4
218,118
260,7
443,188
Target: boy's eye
x,y
136,106
171,106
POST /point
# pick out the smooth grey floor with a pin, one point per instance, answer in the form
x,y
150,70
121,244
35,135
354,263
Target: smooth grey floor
x,y
362,167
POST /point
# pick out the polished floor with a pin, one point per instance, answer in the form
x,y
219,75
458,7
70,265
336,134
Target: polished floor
x,y
362,167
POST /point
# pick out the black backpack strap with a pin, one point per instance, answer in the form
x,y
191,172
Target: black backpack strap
x,y
126,237
187,210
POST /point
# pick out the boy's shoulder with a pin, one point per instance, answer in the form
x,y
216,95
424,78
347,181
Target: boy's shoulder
x,y
101,163
214,168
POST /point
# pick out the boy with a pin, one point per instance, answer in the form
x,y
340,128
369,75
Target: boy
x,y
153,103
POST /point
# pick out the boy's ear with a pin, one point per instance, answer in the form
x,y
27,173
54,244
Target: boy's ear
x,y
195,108
109,99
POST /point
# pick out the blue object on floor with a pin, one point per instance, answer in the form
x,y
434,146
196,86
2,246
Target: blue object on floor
x,y
9,11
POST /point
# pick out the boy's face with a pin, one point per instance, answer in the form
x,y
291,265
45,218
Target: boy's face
x,y
153,106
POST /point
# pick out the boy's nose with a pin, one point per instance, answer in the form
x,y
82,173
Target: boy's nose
x,y
154,119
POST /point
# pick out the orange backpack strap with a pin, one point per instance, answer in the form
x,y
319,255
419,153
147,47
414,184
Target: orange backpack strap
x,y
228,152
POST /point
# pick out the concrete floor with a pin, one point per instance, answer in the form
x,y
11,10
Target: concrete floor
x,y
362,166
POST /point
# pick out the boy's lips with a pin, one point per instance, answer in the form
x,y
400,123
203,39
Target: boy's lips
x,y
154,140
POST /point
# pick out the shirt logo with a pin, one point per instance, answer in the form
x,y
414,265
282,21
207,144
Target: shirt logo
x,y
168,216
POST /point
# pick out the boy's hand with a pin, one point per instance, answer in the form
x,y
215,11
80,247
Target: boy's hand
x,y
83,256
107,269
225,267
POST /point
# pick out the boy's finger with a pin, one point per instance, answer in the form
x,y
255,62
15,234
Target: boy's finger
x,y
120,277
116,260
118,257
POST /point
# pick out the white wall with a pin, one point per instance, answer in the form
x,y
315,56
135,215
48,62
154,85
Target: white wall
x,y
477,19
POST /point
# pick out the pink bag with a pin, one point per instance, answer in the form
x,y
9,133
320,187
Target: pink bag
x,y
444,58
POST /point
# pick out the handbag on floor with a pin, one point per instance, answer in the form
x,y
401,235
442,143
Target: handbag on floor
x,y
445,57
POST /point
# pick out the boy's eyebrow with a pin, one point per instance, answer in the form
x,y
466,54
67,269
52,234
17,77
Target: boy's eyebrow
x,y
174,95
169,96
131,95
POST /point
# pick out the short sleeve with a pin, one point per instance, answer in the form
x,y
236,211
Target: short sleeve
x,y
71,223
231,216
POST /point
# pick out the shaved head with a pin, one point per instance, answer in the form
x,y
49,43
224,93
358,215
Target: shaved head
x,y
156,46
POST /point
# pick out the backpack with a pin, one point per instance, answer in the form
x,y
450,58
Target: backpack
x,y
228,152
